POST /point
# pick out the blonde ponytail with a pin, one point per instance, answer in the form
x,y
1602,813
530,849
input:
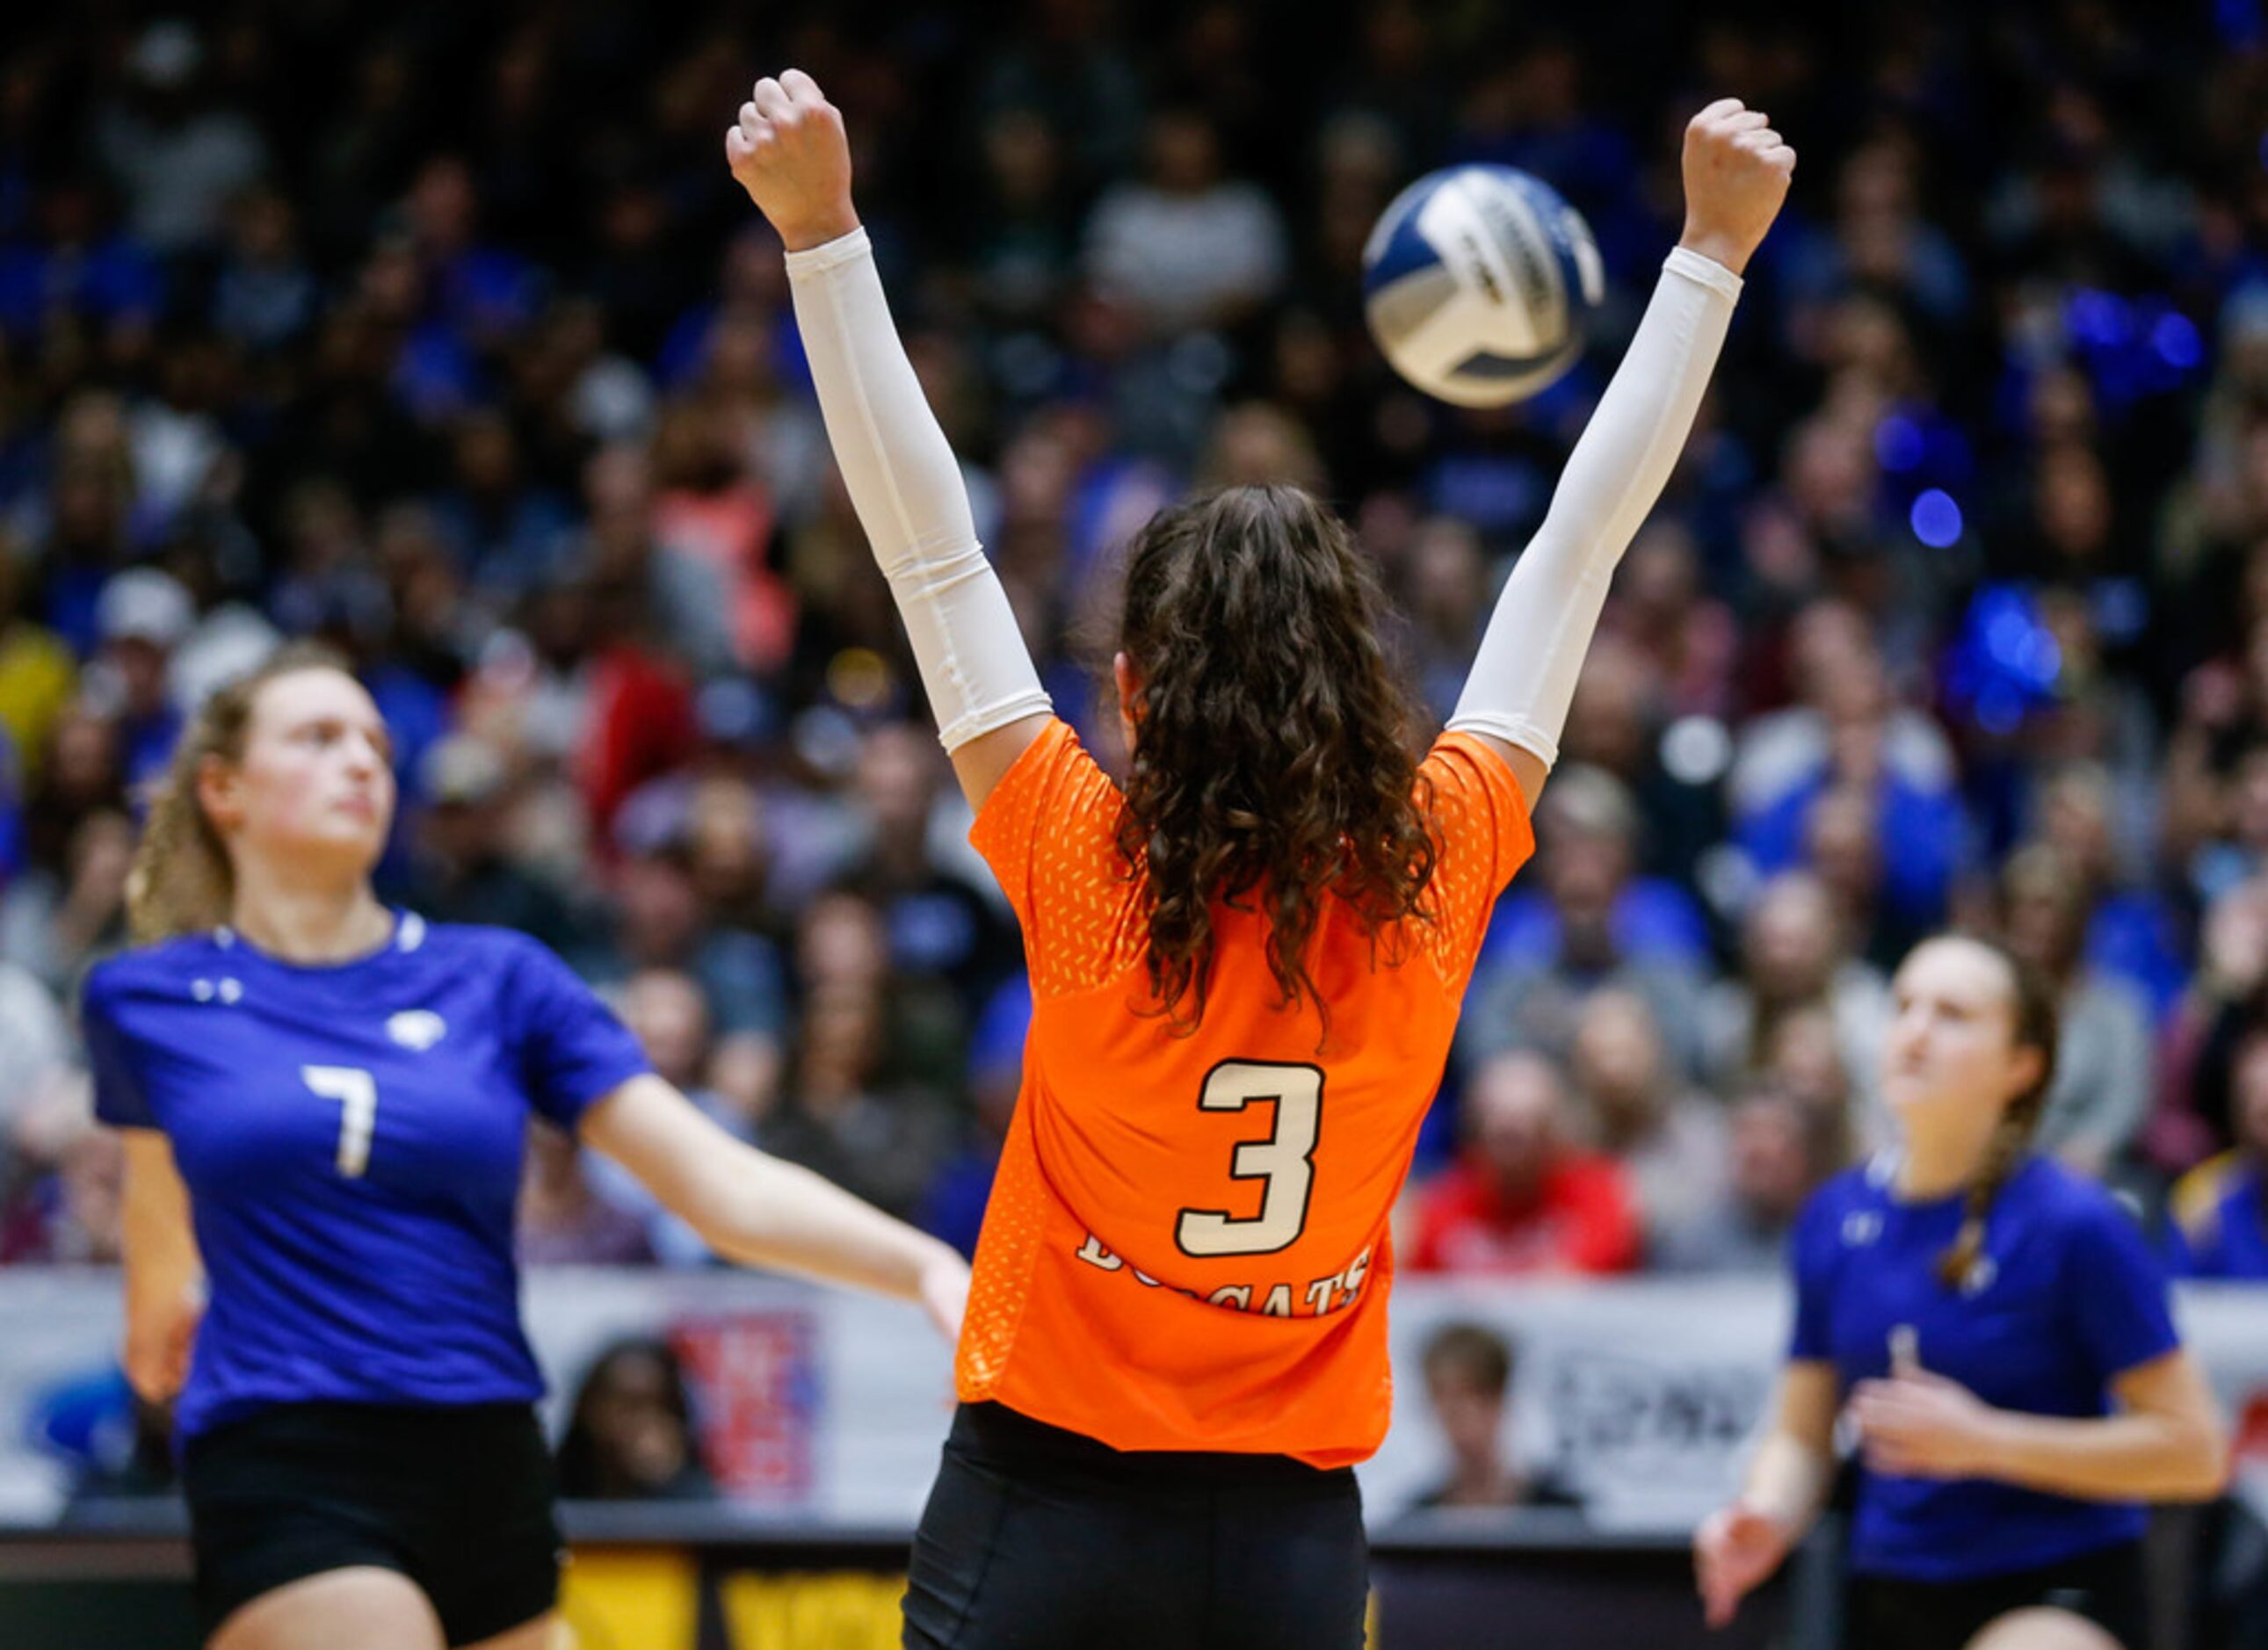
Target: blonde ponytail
x,y
182,880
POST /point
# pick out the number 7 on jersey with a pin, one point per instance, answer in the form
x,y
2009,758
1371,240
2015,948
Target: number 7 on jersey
x,y
357,1092
1286,1160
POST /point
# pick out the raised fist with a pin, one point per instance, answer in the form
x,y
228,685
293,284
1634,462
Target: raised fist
x,y
1736,174
788,151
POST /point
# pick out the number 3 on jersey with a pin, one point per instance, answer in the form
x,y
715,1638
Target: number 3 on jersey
x,y
1286,1160
357,1092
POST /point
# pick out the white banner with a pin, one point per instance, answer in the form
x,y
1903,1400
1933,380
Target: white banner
x,y
827,1407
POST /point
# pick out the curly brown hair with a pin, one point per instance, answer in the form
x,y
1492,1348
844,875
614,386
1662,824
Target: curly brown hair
x,y
1272,755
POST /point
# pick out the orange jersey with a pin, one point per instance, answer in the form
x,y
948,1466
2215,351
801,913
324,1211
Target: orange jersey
x,y
1186,1246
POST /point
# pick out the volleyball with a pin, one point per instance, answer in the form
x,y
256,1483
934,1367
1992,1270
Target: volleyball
x,y
1479,284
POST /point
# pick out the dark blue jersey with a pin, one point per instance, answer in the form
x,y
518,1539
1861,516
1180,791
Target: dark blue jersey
x,y
2065,1298
2230,1240
351,1139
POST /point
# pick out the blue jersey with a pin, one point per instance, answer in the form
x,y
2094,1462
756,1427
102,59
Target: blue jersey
x,y
351,1139
2065,1297
2231,1241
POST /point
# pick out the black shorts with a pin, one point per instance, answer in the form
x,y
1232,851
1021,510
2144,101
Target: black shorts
x,y
1039,1539
456,1497
2110,1587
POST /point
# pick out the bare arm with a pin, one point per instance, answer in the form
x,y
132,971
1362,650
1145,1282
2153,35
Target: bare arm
x,y
1738,1547
1788,1476
2165,1444
165,1277
755,1209
788,151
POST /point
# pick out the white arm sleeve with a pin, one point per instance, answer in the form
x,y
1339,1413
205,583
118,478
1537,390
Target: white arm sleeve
x,y
1524,679
907,489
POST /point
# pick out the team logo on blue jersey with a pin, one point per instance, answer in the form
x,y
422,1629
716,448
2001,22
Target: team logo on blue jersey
x,y
1980,1277
418,1028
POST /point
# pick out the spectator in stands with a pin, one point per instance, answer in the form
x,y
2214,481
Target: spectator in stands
x,y
67,1214
37,1042
1843,848
1593,926
1793,958
463,870
2224,1001
56,922
176,155
77,534
1524,1198
877,1062
1468,1373
37,676
264,297
81,775
2101,829
143,615
1803,1055
883,1139
2220,1208
2100,1093
1783,1149
1668,1139
1617,723
564,1220
953,1206
943,927
660,923
1443,590
631,1435
666,1012
1187,246
1662,606
1848,730
843,945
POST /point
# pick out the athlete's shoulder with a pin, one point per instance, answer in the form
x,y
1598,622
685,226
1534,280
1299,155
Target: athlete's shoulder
x,y
2065,1200
140,970
1865,1184
450,942
516,973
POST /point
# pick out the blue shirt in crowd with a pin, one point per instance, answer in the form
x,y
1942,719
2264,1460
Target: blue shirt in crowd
x,y
351,1138
2065,1298
2231,1241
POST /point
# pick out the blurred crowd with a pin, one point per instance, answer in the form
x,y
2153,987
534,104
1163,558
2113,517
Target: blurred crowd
x,y
439,332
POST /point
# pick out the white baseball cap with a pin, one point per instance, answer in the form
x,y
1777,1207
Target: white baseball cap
x,y
144,605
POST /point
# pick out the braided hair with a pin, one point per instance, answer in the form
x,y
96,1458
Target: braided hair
x,y
2035,1023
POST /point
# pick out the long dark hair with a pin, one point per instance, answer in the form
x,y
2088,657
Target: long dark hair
x,y
2034,1022
1272,752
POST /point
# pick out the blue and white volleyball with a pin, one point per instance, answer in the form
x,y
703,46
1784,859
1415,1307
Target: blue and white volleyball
x,y
1478,283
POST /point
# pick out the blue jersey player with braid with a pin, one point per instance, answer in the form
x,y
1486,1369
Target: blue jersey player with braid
x,y
324,1102
1998,1333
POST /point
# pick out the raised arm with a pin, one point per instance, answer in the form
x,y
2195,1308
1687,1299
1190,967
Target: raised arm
x,y
1736,175
788,150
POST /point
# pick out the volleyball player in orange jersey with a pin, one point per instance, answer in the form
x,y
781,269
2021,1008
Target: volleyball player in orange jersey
x,y
1246,964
